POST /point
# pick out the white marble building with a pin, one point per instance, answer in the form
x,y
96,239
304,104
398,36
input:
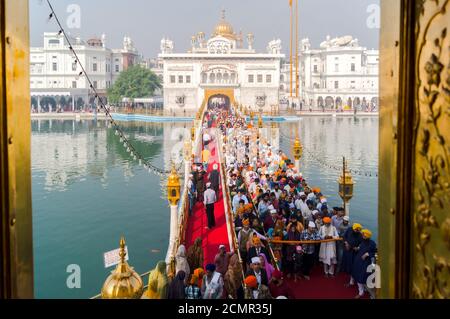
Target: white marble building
x,y
54,72
221,64
340,74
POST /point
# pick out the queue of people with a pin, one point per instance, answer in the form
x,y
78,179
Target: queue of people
x,y
284,227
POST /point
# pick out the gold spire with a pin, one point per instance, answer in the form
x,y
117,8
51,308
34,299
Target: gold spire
x,y
124,282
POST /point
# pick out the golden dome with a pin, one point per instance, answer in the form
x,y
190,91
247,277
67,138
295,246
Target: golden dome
x,y
224,29
124,282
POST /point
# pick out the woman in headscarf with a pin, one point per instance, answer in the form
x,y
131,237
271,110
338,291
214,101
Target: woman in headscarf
x,y
157,283
233,278
266,265
181,262
195,254
176,287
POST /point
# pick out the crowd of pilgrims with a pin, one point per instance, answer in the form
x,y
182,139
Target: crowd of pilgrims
x,y
284,228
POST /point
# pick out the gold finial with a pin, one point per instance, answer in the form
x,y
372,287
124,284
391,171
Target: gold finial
x,y
260,121
123,282
122,252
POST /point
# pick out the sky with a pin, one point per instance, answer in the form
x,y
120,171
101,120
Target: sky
x,y
148,21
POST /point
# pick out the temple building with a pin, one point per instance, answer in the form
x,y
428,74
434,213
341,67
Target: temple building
x,y
221,70
54,72
341,73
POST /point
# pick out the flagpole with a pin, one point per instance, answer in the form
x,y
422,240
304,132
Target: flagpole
x,y
297,73
290,57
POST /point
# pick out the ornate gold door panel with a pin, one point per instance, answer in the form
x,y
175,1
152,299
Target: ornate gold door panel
x,y
414,191
431,171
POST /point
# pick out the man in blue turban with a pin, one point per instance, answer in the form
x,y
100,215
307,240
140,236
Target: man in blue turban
x,y
212,287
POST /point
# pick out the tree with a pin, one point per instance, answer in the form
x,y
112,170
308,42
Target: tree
x,y
135,82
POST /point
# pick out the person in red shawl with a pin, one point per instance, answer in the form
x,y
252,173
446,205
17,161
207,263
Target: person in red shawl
x,y
278,287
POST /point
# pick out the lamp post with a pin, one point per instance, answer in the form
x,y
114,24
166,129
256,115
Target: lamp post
x,y
173,196
297,149
346,187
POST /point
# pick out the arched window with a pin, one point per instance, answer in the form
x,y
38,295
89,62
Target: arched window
x,y
219,77
226,78
212,78
233,77
204,77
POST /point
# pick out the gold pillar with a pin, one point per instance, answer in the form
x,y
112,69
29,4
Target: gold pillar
x,y
16,241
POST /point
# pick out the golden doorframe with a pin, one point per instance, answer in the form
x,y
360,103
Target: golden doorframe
x,y
229,92
16,240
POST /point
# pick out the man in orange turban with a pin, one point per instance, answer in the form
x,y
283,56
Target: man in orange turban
x,y
251,282
327,253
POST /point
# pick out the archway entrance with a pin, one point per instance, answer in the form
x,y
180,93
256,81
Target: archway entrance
x,y
219,101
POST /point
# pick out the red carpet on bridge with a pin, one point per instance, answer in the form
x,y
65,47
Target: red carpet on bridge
x,y
211,238
320,287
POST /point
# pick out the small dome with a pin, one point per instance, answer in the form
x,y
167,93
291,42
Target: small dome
x,y
124,282
224,29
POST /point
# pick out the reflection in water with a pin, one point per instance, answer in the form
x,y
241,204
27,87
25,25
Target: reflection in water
x,y
87,192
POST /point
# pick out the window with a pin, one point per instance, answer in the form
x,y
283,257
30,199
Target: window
x,y
95,84
336,68
315,68
188,79
352,84
172,79
180,79
117,68
74,84
268,78
108,84
74,66
94,67
251,78
336,84
55,66
353,67
260,78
